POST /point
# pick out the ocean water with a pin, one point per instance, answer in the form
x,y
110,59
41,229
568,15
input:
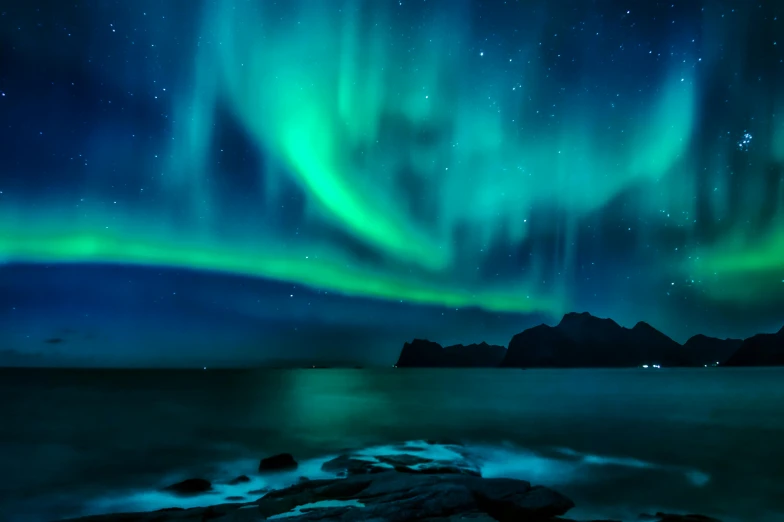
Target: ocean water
x,y
618,442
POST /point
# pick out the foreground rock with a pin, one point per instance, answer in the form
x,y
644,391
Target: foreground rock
x,y
402,463
391,487
192,486
282,462
667,517
391,496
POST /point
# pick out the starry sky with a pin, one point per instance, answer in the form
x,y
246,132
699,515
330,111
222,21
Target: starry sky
x,y
241,181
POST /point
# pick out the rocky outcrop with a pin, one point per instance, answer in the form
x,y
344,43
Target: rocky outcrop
x,y
347,465
426,354
393,487
242,479
667,517
281,462
390,496
193,486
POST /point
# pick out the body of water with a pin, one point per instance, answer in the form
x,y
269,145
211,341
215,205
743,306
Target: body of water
x,y
618,442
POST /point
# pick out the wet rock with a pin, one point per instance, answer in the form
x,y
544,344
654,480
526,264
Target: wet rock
x,y
559,519
403,459
281,462
403,463
437,468
507,499
192,486
353,466
398,496
669,517
239,480
414,490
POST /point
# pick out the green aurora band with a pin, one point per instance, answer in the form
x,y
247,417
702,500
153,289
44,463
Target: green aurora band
x,y
357,106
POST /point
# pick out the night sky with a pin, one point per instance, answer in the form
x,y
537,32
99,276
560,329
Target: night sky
x,y
240,181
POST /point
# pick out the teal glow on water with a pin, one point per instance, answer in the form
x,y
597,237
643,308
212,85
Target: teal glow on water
x,y
618,442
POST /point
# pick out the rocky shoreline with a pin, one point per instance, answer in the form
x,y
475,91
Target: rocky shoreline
x,y
393,487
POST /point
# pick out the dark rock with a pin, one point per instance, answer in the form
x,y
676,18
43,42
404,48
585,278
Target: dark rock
x,y
239,480
668,517
393,497
353,465
471,517
259,491
559,519
402,463
235,498
508,499
760,350
426,354
281,462
400,496
303,479
192,486
403,459
437,468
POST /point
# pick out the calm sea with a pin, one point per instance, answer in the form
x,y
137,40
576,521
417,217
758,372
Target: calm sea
x,y
618,442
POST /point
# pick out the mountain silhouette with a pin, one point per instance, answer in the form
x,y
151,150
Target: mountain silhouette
x,y
760,350
581,340
426,354
707,351
585,341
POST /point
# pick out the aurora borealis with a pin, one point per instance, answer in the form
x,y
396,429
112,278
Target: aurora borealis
x,y
488,163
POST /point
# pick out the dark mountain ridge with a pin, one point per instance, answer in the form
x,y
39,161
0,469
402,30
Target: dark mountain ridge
x,y
427,354
581,340
760,350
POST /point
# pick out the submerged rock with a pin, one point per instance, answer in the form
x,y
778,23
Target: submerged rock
x,y
281,462
239,480
192,486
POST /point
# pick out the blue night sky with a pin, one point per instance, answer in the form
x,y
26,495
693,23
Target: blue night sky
x,y
243,181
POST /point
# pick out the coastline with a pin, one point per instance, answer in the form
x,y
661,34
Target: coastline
x,y
416,480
